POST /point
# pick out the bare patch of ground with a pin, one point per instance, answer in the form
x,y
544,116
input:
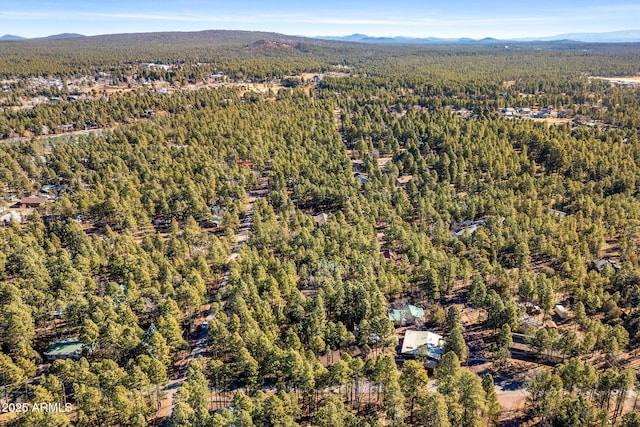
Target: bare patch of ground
x,y
552,120
634,80
382,161
611,249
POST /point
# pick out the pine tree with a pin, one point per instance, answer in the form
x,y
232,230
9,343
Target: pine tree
x,y
455,343
493,406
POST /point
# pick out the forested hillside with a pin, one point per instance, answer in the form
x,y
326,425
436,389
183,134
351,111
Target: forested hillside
x,y
482,185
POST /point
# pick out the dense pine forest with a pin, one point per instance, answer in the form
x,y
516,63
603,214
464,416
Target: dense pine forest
x,y
224,223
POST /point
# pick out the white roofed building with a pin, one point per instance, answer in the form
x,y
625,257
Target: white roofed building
x,y
413,340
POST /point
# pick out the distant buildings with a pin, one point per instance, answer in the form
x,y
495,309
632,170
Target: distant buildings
x,y
524,112
361,177
508,112
154,66
66,128
161,221
601,264
321,219
50,191
557,212
357,165
7,218
217,215
247,163
467,226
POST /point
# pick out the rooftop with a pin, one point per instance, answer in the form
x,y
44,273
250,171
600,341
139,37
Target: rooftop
x,y
433,343
321,218
406,312
602,263
32,199
402,180
65,347
467,225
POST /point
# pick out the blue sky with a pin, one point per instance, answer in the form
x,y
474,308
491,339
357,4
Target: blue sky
x,y
453,18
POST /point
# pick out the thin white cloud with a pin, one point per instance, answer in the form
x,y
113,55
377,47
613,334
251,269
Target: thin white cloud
x,y
616,8
282,18
18,14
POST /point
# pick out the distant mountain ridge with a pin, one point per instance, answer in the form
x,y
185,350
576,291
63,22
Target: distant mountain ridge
x,y
63,36
626,36
363,38
51,37
249,40
11,37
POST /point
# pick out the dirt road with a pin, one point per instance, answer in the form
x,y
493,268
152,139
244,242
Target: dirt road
x,y
199,341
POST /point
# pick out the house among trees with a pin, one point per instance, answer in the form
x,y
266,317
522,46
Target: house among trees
x,y
532,316
217,214
247,163
408,314
50,191
520,348
67,348
467,226
358,165
557,212
427,343
601,264
66,128
321,219
32,201
530,308
161,221
361,177
508,112
6,218
561,311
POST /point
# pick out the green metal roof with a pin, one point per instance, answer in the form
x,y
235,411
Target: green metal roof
x,y
415,311
397,315
406,312
65,347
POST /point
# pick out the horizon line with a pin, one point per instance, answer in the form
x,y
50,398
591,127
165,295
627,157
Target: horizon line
x,y
555,37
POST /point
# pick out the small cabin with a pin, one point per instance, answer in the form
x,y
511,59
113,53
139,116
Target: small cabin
x,y
321,219
361,177
601,264
561,311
